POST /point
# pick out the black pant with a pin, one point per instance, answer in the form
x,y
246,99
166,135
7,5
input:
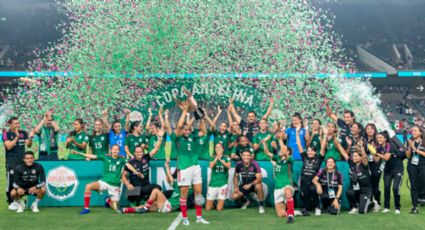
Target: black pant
x,y
145,192
375,178
360,199
416,178
394,176
308,194
327,203
9,182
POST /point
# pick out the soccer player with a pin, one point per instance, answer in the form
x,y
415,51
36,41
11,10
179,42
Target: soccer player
x,y
134,139
29,179
251,125
152,134
250,172
77,141
218,186
360,192
315,134
283,190
203,142
328,184
242,145
357,136
163,202
374,164
117,134
344,125
141,163
393,172
190,171
290,136
222,135
113,165
331,146
416,164
15,141
47,131
260,139
99,140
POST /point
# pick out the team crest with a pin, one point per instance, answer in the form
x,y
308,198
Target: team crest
x,y
102,138
33,171
62,183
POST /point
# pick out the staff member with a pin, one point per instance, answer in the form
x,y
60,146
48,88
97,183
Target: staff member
x,y
29,179
15,141
416,164
329,187
343,124
47,131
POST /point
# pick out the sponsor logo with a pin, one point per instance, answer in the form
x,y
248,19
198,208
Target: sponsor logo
x,y
62,183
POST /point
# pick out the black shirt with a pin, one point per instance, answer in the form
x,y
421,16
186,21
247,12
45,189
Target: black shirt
x,y
421,147
329,180
311,165
360,174
344,131
248,174
14,156
353,147
395,161
141,166
249,129
26,177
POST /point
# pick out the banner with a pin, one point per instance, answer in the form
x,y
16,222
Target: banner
x,y
66,181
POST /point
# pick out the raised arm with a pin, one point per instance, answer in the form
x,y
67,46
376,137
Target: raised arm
x,y
127,119
266,148
184,107
167,123
340,149
229,118
269,109
158,143
148,122
37,128
161,118
329,112
233,111
211,123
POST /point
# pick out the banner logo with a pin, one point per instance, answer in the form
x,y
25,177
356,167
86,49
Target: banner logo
x,y
62,183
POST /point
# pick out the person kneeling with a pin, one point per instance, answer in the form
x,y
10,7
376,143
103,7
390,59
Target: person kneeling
x,y
329,187
250,172
29,179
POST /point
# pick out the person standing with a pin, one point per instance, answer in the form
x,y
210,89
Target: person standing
x,y
47,132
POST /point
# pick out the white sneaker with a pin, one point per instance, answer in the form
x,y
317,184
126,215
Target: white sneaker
x,y
318,212
201,221
298,213
185,221
397,211
21,207
245,205
13,206
376,207
353,211
386,210
34,207
261,210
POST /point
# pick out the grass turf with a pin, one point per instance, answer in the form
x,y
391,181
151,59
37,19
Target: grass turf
x,y
103,218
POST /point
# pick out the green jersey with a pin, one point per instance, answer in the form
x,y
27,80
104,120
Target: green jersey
x,y
332,151
282,171
259,154
203,146
99,145
48,139
238,150
186,150
112,169
223,138
80,138
315,142
219,173
132,142
152,139
174,199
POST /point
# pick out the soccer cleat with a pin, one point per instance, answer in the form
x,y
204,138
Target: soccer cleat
x,y
261,210
386,210
305,212
85,211
297,213
119,211
34,208
21,208
142,210
185,221
290,220
414,211
246,204
318,212
353,211
13,206
200,220
376,207
397,211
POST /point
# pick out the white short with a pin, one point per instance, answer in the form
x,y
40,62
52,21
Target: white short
x,y
279,194
166,208
113,191
190,176
219,193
